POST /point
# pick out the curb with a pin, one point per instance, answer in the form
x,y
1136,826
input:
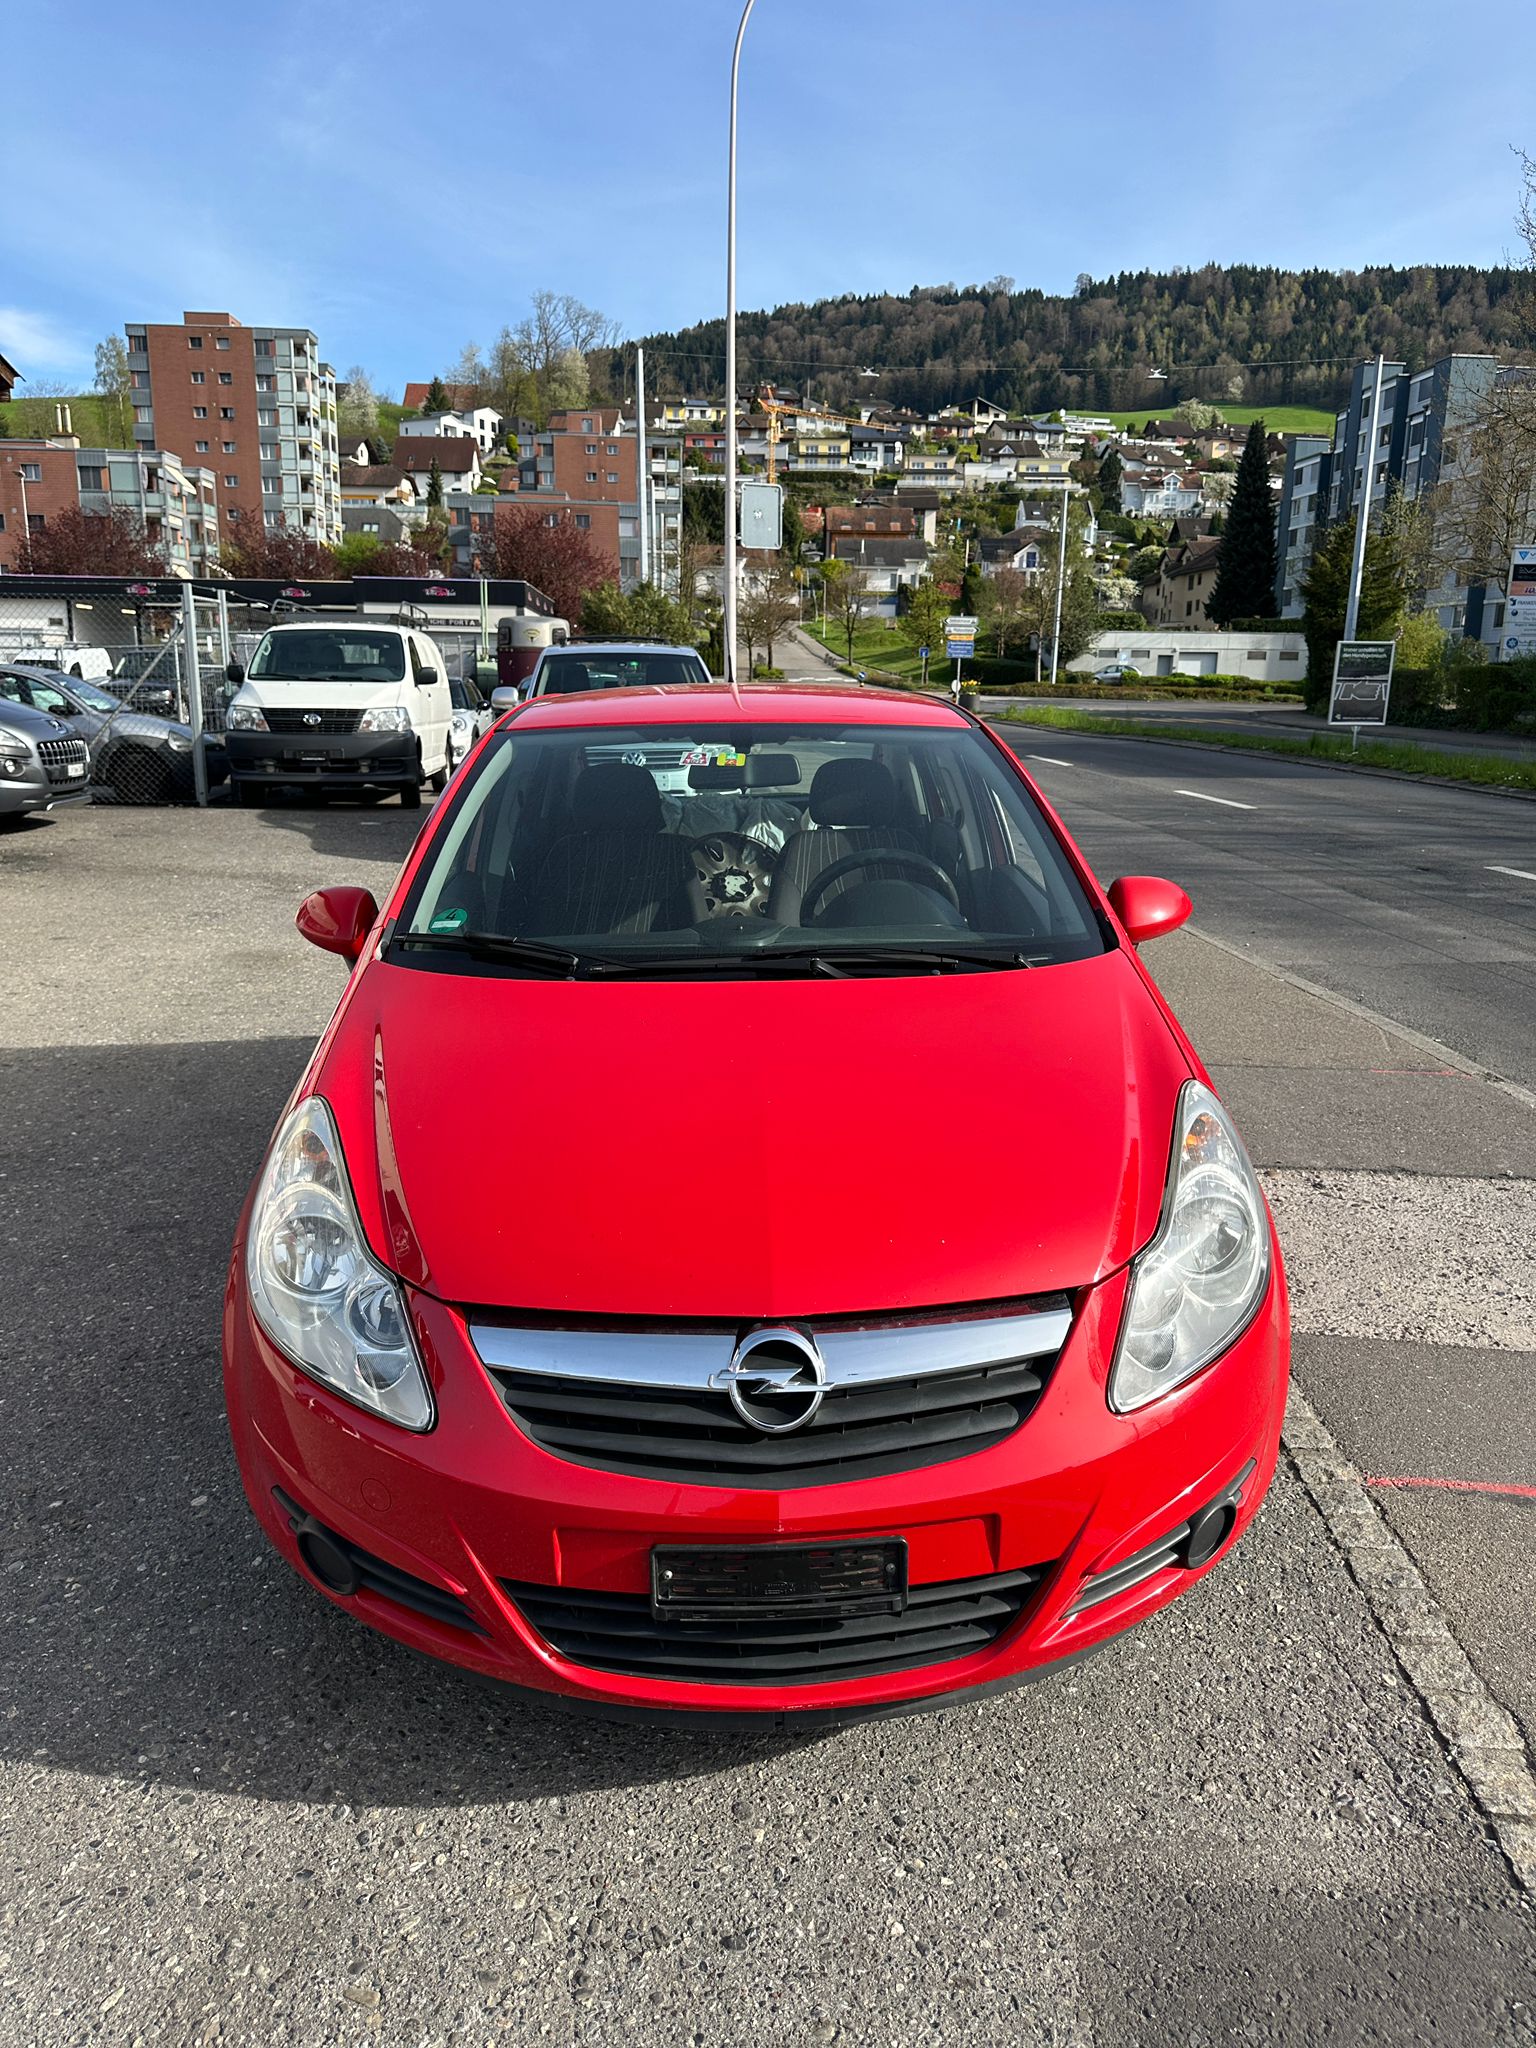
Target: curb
x,y
1480,1740
1078,732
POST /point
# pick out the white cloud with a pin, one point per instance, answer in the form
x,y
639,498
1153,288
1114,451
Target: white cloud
x,y
39,348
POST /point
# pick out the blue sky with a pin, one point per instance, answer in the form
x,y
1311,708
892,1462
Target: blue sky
x,y
401,177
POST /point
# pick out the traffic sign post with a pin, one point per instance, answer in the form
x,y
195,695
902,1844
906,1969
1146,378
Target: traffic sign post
x,y
959,641
1362,684
922,654
1520,604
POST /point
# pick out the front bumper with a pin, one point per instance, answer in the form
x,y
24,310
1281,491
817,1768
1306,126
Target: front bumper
x,y
1076,1511
328,760
33,790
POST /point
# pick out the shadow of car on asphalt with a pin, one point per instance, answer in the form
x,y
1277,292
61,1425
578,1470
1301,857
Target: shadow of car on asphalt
x,y
152,1632
348,826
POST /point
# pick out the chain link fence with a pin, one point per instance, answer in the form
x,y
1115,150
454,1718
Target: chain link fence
x,y
143,683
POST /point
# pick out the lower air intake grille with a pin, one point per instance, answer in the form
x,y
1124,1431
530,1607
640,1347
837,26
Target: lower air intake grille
x,y
621,1632
58,756
317,723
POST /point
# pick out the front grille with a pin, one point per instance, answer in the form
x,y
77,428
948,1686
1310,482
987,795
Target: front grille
x,y
620,1632
57,755
331,722
863,1433
662,1413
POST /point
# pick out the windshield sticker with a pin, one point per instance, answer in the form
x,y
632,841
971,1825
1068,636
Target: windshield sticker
x,y
449,921
712,757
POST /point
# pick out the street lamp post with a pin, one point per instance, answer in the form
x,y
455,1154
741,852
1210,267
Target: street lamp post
x,y
26,523
729,626
1061,578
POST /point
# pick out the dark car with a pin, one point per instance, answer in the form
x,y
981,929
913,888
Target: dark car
x,y
140,758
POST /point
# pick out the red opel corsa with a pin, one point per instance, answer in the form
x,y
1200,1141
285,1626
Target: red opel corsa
x,y
845,1290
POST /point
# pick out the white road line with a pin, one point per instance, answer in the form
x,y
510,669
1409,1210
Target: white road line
x,y
1523,874
1231,802
1049,759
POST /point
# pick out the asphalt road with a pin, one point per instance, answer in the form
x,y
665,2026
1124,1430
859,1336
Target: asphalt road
x,y
1418,902
229,1815
1288,721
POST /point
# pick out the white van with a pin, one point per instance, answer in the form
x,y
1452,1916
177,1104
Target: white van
x,y
340,705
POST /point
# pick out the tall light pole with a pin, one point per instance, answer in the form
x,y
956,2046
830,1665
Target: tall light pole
x,y
729,625
1061,578
26,523
1363,517
642,467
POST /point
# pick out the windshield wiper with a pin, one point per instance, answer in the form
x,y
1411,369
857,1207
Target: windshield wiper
x,y
836,962
533,954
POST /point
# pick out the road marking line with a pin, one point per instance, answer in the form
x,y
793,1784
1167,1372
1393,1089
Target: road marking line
x,y
1452,1485
1524,874
1231,802
1480,1738
1051,761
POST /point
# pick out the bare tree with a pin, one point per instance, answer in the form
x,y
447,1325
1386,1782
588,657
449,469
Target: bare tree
x,y
1486,504
847,595
1007,599
770,609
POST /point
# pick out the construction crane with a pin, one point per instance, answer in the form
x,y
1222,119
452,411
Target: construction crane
x,y
773,408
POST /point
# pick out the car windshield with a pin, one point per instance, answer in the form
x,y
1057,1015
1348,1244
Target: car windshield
x,y
332,654
744,847
597,669
94,699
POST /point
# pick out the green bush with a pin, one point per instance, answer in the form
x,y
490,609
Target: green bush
x,y
762,673
1467,696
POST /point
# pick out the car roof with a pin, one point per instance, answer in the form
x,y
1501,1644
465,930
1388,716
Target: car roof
x,y
767,703
581,648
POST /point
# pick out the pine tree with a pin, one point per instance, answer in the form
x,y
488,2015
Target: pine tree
x,y
434,484
437,399
1245,575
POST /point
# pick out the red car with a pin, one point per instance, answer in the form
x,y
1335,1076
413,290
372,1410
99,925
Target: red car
x,y
845,1290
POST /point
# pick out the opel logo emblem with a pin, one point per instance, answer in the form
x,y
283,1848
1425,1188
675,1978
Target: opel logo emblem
x,y
776,1380
311,718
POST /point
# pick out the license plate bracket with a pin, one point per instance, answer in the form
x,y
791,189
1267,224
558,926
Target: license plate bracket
x,y
718,1581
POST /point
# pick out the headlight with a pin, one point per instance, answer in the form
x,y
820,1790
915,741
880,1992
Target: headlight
x,y
1201,1277
317,1290
179,742
385,718
12,763
247,718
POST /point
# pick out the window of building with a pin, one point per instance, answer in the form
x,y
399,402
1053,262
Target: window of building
x,y
32,472
551,518
586,426
591,447
200,447
267,383
194,341
229,447
591,476
92,477
222,342
1189,608
139,379
226,376
613,476
198,377
232,512
226,412
2,522
272,485
270,451
613,447
584,520
265,346
231,483
1384,437
370,526
199,412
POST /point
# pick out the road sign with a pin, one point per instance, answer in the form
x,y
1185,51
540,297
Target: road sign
x,y
960,627
762,515
1520,605
1362,682
922,652
960,650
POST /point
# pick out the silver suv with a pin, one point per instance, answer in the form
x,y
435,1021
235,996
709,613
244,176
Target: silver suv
x,y
43,765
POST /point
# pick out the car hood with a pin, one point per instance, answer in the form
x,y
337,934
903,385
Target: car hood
x,y
755,1149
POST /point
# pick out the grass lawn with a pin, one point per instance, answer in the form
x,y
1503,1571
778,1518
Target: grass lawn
x,y
1279,419
31,418
1403,756
875,647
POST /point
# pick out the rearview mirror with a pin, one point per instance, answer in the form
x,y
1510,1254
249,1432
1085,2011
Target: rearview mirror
x,y
235,673
505,697
1148,907
338,921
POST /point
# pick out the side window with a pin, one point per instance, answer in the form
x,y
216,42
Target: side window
x,y
418,666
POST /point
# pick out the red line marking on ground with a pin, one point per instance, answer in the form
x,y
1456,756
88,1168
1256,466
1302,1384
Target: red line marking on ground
x,y
1453,1485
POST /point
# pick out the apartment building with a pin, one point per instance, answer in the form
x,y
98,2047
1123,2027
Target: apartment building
x,y
256,404
1411,439
177,501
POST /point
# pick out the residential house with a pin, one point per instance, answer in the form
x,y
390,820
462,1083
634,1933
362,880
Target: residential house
x,y
984,413
1177,594
388,524
379,484
478,423
689,413
887,563
1035,465
876,449
1150,491
997,466
940,472
924,503
1024,549
456,455
10,377
415,397
885,521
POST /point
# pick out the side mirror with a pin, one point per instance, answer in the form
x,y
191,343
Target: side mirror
x,y
338,921
427,678
505,697
235,673
1148,907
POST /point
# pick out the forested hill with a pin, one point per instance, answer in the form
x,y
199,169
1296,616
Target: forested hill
x,y
1029,349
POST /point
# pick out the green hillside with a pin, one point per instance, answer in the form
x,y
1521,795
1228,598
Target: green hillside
x,y
1278,419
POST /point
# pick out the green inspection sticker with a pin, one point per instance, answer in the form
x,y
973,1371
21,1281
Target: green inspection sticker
x,y
449,921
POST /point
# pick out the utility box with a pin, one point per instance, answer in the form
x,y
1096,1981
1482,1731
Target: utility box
x,y
762,516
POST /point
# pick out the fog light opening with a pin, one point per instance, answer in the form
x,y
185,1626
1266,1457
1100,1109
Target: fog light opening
x,y
1208,1531
325,1558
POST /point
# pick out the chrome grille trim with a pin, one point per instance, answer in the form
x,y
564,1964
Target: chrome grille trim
x,y
689,1360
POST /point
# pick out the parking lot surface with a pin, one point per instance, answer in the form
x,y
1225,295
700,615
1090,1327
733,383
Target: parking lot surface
x,y
230,1814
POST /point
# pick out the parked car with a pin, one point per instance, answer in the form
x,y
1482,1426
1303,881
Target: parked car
x,y
68,657
43,765
140,759
470,718
897,1372
339,706
604,665
1116,672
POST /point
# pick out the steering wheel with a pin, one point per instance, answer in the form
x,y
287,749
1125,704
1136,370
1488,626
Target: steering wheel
x,y
734,872
879,857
